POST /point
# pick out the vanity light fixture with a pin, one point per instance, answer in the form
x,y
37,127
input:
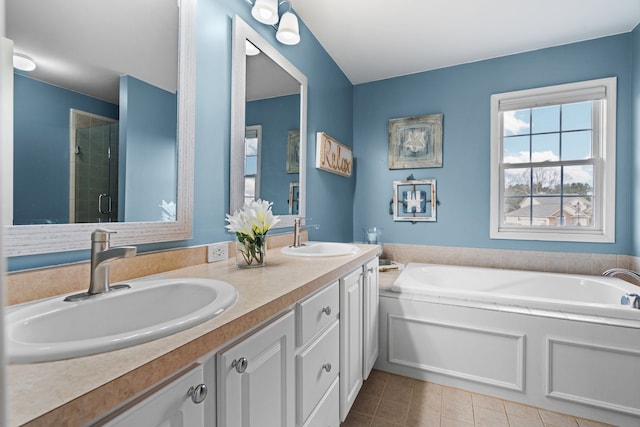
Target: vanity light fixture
x,y
288,31
23,62
266,12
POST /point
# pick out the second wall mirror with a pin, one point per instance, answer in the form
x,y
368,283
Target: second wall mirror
x,y
268,126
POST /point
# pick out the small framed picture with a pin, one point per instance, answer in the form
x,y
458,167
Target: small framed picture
x,y
414,200
415,142
294,198
293,151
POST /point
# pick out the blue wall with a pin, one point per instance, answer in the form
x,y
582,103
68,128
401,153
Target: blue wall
x,y
329,110
635,119
462,93
277,116
148,156
41,148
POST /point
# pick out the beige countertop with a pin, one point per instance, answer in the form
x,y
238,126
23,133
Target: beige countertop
x,y
75,391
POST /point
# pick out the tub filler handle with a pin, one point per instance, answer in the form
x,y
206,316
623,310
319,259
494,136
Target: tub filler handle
x,y
633,299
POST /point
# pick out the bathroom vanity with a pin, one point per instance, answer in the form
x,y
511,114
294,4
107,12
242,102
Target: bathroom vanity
x,y
287,343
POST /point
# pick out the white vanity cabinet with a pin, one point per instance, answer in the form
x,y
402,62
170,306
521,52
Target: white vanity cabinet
x,y
318,358
351,317
179,403
255,377
358,331
370,298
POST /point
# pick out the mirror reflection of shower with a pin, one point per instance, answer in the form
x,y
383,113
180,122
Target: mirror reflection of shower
x,y
93,168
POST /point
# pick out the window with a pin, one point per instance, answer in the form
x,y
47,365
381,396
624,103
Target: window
x,y
252,140
553,163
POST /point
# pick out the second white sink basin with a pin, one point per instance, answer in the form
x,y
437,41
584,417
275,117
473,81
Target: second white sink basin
x,y
321,249
54,329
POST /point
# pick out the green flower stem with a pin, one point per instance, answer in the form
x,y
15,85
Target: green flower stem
x,y
252,247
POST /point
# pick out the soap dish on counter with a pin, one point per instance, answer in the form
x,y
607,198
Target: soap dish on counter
x,y
389,265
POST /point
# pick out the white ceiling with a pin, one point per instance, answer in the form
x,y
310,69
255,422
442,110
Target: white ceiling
x,y
375,39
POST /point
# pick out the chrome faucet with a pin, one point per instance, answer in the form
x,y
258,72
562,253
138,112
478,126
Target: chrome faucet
x,y
612,272
632,299
101,256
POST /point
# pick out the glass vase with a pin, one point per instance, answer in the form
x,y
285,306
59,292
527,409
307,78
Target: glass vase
x,y
251,254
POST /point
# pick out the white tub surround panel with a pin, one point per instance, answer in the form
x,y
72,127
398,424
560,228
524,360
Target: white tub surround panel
x,y
547,351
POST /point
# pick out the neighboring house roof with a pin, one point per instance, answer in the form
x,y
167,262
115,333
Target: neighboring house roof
x,y
545,207
553,200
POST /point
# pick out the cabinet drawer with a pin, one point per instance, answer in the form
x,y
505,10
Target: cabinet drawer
x,y
327,413
316,312
317,367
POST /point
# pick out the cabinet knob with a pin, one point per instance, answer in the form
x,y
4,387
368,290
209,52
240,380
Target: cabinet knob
x,y
327,367
326,310
198,393
240,364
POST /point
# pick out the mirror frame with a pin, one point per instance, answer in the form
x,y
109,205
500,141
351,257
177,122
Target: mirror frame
x,y
241,32
39,239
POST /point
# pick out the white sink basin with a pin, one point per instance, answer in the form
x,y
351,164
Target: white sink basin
x,y
321,249
54,329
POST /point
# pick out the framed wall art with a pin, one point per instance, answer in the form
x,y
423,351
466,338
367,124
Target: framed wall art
x,y
414,200
415,142
332,156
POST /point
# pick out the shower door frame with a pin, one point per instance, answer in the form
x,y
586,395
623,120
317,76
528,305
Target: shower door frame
x,y
73,113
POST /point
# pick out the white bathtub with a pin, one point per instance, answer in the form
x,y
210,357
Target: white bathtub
x,y
561,342
556,294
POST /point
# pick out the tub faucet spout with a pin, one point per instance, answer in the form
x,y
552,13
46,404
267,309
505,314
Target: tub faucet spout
x,y
612,272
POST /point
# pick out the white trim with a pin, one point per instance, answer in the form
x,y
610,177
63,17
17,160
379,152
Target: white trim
x,y
38,239
604,166
618,389
517,339
258,130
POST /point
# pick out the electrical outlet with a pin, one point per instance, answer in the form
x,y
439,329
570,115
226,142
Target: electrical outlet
x,y
217,252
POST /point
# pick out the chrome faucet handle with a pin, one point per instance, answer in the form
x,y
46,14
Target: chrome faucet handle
x,y
633,299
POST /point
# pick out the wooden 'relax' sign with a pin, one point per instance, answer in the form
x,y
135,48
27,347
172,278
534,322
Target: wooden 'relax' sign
x,y
331,156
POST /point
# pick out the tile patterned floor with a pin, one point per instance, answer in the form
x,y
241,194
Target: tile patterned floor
x,y
388,400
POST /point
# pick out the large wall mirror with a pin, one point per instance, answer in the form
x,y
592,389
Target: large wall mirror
x,y
268,126
103,127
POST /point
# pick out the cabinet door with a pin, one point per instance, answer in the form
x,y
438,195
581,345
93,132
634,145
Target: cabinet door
x,y
370,321
256,384
350,340
171,406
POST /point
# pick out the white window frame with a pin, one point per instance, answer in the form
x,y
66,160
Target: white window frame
x,y
258,131
604,155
